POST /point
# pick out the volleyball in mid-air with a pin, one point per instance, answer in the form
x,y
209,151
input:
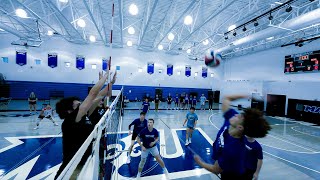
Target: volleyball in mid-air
x,y
212,60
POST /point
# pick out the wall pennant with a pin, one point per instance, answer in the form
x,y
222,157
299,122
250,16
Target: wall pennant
x,y
169,69
52,60
150,69
105,64
204,72
80,62
188,70
21,58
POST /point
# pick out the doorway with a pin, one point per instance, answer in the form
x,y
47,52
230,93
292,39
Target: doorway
x,y
276,105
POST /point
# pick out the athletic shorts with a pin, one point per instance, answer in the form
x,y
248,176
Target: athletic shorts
x,y
32,103
192,128
203,103
176,103
134,136
154,151
41,117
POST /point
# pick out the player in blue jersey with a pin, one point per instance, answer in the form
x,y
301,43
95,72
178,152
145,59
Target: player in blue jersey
x,y
229,148
192,120
186,102
145,106
203,102
176,102
147,140
194,102
138,124
254,157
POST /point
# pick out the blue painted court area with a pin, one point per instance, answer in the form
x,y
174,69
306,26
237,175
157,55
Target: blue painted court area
x,y
290,148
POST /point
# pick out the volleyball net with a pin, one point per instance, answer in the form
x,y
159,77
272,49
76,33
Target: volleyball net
x,y
100,142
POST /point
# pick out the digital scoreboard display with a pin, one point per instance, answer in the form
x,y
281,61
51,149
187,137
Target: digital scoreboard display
x,y
303,62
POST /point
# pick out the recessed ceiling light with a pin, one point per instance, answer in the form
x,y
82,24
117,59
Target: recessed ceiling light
x,y
133,9
81,23
188,20
232,27
212,74
170,36
50,33
270,38
131,30
92,38
21,13
160,47
196,74
188,51
129,43
205,42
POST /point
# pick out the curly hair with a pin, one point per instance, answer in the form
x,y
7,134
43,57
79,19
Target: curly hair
x,y
255,125
64,105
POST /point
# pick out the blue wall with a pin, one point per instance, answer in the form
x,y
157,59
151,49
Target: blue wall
x,y
22,89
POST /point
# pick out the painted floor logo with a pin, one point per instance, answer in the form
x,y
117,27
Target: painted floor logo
x,y
39,157
179,161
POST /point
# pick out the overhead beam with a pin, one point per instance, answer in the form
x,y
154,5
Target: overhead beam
x,y
94,21
13,31
176,22
205,22
148,22
121,20
64,19
35,14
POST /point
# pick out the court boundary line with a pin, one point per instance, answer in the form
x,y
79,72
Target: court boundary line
x,y
303,132
275,155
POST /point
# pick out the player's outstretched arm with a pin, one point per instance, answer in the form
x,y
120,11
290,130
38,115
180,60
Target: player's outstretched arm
x,y
228,99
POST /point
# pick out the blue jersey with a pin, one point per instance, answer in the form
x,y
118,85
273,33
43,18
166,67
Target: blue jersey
x,y
192,118
194,101
186,99
138,125
148,137
145,106
176,99
253,153
229,151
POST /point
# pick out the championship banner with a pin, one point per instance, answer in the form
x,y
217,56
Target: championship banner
x,y
188,70
52,60
105,64
204,72
80,62
169,69
150,68
21,58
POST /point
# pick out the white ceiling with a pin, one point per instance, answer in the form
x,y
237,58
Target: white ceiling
x,y
154,21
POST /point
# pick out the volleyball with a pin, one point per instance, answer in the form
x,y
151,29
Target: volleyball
x,y
212,60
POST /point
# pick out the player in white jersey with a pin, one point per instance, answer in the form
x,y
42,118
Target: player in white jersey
x,y
46,112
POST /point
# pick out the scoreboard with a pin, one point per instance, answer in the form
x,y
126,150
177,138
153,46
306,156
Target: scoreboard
x,y
303,62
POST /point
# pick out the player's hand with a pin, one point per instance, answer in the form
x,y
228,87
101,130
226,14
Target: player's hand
x,y
151,144
255,176
143,148
130,133
183,124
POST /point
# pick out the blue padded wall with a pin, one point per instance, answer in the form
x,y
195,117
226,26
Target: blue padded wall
x,y
43,90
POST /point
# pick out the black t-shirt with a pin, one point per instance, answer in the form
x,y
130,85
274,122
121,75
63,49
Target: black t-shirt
x,y
156,100
97,115
74,134
169,99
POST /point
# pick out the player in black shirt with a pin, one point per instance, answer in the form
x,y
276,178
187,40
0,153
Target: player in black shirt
x,y
169,101
76,125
